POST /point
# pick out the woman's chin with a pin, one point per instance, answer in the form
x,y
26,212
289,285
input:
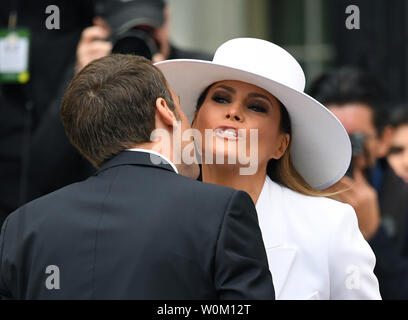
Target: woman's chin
x,y
219,157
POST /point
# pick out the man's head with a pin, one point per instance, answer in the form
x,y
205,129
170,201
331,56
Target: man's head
x,y
358,102
114,104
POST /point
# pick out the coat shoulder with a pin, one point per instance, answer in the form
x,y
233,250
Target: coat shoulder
x,y
327,211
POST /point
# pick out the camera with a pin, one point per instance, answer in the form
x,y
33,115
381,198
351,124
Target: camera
x,y
357,150
133,23
135,41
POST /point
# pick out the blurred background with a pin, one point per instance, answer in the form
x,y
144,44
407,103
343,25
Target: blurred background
x,y
313,31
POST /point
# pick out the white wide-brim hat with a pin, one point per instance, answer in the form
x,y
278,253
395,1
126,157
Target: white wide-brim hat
x,y
320,147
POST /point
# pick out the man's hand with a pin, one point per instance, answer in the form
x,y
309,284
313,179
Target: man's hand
x,y
93,44
363,198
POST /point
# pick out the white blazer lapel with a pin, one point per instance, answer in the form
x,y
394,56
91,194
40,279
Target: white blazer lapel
x,y
281,254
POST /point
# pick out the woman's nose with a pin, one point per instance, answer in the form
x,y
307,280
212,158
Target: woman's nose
x,y
234,113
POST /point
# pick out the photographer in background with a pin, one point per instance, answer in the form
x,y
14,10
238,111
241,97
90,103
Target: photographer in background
x,y
397,155
136,26
376,193
24,104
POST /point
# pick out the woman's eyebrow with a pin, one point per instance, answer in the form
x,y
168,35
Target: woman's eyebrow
x,y
258,95
232,90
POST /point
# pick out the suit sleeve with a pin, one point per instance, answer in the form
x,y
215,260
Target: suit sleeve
x,y
241,265
351,261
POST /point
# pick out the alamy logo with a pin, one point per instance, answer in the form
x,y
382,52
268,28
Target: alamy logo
x,y
353,20
53,20
52,282
191,147
353,277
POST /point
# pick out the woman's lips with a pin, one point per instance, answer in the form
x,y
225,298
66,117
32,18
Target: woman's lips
x,y
229,133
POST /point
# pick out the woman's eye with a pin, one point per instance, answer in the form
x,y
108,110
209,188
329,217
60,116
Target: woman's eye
x,y
257,108
220,99
396,150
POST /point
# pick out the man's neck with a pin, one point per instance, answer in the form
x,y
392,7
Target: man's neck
x,y
191,170
153,147
153,151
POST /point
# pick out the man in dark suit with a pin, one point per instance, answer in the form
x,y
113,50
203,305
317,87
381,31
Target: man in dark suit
x,y
136,229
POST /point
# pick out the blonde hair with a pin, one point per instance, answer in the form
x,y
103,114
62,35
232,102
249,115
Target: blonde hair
x,y
284,172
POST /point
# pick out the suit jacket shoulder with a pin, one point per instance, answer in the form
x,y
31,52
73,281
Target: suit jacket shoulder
x,y
135,231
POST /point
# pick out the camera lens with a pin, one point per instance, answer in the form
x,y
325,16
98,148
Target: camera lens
x,y
136,42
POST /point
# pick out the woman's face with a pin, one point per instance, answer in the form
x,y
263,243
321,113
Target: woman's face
x,y
398,154
233,105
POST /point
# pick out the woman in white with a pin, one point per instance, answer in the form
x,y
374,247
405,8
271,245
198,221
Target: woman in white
x,y
315,249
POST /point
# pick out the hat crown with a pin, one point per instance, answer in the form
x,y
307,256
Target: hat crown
x,y
262,58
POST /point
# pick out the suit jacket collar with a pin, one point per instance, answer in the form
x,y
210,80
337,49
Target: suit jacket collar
x,y
136,158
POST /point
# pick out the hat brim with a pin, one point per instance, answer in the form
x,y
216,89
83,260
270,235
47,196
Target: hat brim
x,y
320,147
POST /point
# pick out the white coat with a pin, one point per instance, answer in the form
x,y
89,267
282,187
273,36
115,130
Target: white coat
x,y
314,246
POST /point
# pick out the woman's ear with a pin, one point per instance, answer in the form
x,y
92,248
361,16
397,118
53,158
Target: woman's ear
x,y
283,144
166,115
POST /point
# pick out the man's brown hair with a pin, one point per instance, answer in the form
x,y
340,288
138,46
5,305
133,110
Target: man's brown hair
x,y
109,105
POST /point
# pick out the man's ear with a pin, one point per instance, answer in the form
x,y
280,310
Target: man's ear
x,y
166,115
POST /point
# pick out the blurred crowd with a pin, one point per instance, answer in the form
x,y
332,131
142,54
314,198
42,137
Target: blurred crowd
x,y
376,182
36,157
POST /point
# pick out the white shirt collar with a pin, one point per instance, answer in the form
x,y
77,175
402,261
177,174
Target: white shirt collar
x,y
157,154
